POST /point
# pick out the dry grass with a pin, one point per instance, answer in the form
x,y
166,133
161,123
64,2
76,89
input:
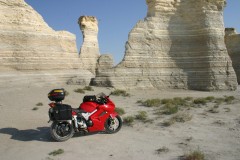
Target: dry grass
x,y
229,99
162,150
128,120
120,111
66,93
213,110
119,92
35,108
169,109
201,101
182,117
142,116
179,117
88,88
39,104
79,90
56,152
151,102
194,155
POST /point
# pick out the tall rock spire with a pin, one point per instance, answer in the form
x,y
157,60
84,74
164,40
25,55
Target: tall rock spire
x,y
89,52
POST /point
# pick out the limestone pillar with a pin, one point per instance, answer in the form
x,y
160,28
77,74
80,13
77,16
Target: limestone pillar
x,y
89,52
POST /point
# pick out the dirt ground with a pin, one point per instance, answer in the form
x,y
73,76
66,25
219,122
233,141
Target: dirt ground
x,y
24,132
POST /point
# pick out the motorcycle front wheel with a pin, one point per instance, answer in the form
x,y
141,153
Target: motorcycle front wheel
x,y
61,130
113,125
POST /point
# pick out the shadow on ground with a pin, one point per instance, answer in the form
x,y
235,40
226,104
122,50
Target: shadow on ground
x,y
39,134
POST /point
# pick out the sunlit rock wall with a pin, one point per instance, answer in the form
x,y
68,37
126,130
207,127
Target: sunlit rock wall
x,y
28,43
180,44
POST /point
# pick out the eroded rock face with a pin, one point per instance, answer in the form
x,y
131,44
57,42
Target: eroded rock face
x,y
28,43
232,40
180,44
105,61
89,52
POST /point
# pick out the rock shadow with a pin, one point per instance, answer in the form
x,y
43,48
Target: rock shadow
x,y
39,134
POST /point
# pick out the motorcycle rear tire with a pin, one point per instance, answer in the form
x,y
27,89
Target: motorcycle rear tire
x,y
108,124
55,131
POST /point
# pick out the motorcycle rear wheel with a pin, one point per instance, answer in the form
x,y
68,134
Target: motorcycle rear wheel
x,y
61,130
113,125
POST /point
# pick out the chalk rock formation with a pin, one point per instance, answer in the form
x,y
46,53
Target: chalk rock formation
x,y
180,44
232,40
28,43
89,52
105,61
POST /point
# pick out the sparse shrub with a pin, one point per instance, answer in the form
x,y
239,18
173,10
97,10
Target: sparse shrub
x,y
182,117
39,104
168,122
120,111
201,101
88,88
219,122
142,115
128,120
188,98
166,101
56,152
219,101
79,90
210,98
151,102
194,155
170,109
66,93
189,139
213,110
35,108
229,99
119,92
227,109
179,101
162,150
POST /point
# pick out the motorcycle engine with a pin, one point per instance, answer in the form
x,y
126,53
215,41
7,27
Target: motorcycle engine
x,y
81,122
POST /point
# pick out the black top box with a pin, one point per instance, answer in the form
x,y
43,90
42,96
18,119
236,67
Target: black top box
x,y
56,95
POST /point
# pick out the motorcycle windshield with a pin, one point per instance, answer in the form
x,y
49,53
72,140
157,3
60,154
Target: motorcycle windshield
x,y
101,95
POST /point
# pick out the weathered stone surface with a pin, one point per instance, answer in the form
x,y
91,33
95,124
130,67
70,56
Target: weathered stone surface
x,y
89,52
105,61
45,77
28,43
232,40
180,44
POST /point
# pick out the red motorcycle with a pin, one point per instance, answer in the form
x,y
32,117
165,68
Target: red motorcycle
x,y
96,113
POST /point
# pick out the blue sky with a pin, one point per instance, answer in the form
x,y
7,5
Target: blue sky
x,y
116,19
